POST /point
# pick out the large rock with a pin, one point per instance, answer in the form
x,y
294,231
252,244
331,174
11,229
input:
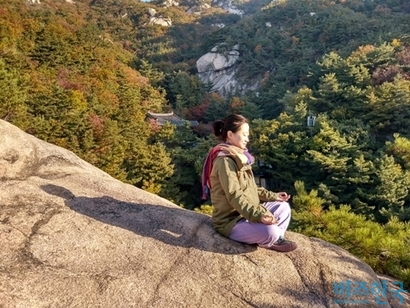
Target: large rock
x,y
72,236
228,6
158,20
219,70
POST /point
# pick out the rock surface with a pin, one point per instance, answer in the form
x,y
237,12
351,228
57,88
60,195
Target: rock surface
x,y
72,236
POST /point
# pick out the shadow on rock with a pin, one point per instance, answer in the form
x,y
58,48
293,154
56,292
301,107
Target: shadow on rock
x,y
173,226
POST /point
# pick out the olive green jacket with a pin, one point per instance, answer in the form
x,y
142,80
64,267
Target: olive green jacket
x,y
234,193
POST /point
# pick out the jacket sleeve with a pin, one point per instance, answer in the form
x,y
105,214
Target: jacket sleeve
x,y
235,195
266,195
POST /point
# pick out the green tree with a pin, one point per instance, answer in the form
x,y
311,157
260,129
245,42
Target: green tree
x,y
52,44
146,162
147,70
59,116
400,149
280,151
391,188
188,154
218,108
13,93
389,105
183,92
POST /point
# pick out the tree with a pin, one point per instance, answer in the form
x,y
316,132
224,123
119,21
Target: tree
x,y
188,154
280,150
217,109
400,150
52,44
146,162
147,70
389,108
13,93
331,156
391,187
184,91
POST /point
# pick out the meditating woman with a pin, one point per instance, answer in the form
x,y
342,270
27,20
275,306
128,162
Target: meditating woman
x,y
238,212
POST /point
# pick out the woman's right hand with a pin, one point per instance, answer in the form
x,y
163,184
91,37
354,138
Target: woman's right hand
x,y
282,196
268,219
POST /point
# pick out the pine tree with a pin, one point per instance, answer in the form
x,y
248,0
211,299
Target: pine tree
x,y
391,187
13,93
188,154
217,109
390,108
330,155
145,161
400,149
280,150
183,92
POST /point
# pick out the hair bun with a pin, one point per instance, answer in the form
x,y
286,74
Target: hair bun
x,y
218,127
222,125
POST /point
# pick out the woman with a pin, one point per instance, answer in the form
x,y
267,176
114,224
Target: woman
x,y
238,213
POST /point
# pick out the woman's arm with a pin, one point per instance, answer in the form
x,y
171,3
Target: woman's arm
x,y
266,195
236,197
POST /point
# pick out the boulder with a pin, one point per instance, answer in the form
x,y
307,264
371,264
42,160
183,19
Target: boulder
x,y
169,3
162,21
229,7
219,70
198,9
73,236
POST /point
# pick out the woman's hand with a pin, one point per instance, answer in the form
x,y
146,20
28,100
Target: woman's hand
x,y
282,196
268,219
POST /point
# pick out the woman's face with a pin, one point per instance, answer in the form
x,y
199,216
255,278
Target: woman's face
x,y
241,138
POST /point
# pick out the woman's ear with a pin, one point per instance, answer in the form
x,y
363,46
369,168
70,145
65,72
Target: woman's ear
x,y
228,135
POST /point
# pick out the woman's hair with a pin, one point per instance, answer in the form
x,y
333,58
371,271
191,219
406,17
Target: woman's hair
x,y
231,123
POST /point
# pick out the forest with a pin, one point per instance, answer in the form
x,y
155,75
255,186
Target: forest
x,y
330,119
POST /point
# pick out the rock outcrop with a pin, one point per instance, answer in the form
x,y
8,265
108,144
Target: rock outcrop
x,y
158,20
169,3
72,236
219,69
229,7
198,9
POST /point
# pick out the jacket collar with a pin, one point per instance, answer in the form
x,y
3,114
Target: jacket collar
x,y
241,157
